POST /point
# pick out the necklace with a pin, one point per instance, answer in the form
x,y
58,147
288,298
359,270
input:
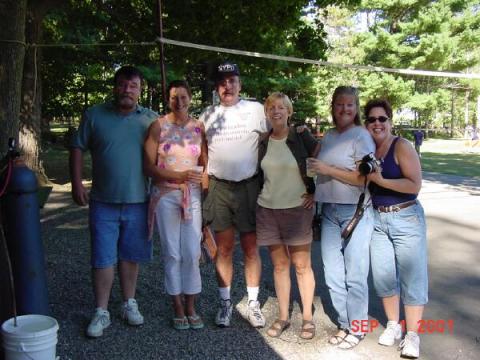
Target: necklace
x,y
383,149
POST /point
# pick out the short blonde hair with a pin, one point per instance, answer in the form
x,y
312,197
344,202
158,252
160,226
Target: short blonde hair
x,y
279,96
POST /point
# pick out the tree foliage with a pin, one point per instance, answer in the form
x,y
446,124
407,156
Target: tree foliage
x,y
428,35
271,26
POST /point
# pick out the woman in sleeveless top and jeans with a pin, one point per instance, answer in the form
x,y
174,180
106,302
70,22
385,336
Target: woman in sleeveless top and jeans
x,y
174,148
399,246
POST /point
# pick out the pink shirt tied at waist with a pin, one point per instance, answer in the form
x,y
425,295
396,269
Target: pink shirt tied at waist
x,y
179,148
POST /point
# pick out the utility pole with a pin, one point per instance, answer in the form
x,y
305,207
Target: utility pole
x,y
162,57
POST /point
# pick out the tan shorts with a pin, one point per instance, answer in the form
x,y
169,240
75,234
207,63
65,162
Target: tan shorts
x,y
290,227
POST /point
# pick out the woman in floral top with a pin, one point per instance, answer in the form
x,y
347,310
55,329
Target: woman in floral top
x,y
175,155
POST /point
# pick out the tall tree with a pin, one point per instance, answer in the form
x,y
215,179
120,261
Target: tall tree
x,y
31,112
427,34
12,41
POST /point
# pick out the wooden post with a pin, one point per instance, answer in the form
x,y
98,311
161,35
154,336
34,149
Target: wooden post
x,y
467,98
162,58
452,112
478,111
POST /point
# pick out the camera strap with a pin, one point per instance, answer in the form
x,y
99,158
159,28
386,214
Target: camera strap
x,y
361,199
361,206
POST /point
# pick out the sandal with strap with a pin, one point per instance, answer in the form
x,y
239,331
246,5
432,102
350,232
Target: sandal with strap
x,y
180,323
195,322
338,337
308,330
350,341
277,328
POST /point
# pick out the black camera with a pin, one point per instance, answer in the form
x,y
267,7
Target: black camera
x,y
368,164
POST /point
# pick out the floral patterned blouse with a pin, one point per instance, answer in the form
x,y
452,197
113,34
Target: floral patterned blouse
x,y
179,148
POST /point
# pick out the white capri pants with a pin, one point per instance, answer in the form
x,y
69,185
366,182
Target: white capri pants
x,y
180,242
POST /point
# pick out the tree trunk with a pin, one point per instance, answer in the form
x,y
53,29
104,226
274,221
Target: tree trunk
x,y
12,36
467,100
31,109
12,39
452,112
478,111
207,86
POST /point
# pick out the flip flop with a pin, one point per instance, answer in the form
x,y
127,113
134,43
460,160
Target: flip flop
x,y
307,333
277,328
180,323
195,322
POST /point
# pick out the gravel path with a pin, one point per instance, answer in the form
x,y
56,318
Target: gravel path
x,y
65,235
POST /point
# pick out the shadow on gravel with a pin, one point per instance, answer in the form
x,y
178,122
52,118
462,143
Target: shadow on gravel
x,y
454,290
454,295
66,239
468,184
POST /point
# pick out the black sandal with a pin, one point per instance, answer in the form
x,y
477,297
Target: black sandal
x,y
307,333
277,328
350,341
338,339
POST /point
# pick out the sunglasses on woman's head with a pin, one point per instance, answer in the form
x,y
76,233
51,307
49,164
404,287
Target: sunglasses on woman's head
x,y
372,119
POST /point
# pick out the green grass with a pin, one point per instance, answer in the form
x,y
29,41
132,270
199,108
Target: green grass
x,y
55,161
456,164
441,156
59,130
451,156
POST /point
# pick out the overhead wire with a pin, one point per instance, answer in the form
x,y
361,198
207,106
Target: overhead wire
x,y
371,68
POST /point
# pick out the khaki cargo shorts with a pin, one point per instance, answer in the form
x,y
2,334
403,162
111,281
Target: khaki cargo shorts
x,y
230,203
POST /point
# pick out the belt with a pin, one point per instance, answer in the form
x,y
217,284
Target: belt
x,y
395,208
231,182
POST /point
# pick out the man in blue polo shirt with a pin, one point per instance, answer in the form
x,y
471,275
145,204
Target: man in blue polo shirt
x,y
114,132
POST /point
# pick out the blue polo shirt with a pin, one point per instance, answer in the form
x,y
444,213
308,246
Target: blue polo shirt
x,y
115,142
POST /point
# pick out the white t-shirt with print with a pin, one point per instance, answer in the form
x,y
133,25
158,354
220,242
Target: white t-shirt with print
x,y
232,136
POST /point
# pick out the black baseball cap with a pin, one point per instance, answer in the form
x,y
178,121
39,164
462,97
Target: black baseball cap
x,y
226,68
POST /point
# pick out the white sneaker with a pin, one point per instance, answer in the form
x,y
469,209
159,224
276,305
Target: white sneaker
x,y
131,314
255,316
224,314
392,332
99,322
410,345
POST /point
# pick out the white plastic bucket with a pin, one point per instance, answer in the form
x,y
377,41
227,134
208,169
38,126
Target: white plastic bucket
x,y
34,338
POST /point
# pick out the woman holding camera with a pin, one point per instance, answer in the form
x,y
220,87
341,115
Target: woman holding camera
x,y
339,186
399,245
284,210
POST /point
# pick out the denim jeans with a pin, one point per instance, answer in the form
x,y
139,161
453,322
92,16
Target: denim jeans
x,y
118,231
180,242
399,255
346,267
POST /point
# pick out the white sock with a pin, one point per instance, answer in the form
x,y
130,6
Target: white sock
x,y
252,293
224,293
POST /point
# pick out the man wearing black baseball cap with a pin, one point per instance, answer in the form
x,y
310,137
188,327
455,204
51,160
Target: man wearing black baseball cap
x,y
232,130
